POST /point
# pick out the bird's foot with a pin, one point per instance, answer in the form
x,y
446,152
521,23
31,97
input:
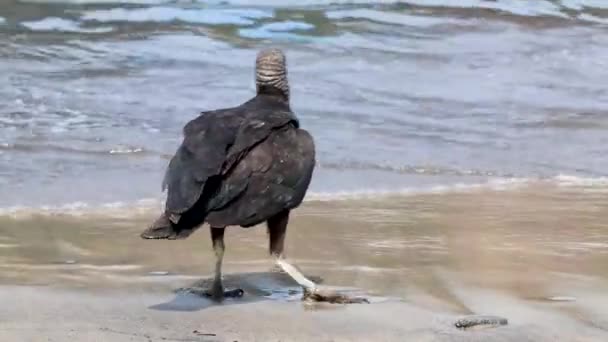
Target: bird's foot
x,y
215,294
324,295
218,296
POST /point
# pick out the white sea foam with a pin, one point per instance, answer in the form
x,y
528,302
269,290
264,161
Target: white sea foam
x,y
387,17
80,209
587,182
61,25
168,14
496,185
276,30
150,206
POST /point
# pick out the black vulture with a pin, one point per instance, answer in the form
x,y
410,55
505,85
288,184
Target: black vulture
x,y
242,166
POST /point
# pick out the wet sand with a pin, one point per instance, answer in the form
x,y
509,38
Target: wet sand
x,y
38,313
536,256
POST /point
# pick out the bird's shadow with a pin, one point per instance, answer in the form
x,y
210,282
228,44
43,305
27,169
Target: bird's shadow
x,y
258,286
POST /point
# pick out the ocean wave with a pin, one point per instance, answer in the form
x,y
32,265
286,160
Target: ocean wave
x,y
525,8
152,206
547,8
538,7
168,14
61,25
581,182
277,30
410,169
386,17
115,150
495,185
126,150
242,13
82,209
100,2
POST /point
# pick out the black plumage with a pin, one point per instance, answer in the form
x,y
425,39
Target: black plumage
x,y
236,167
240,166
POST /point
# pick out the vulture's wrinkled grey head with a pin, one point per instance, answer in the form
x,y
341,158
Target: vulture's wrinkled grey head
x,y
271,72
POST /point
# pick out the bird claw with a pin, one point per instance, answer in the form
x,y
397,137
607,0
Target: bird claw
x,y
329,296
210,293
233,293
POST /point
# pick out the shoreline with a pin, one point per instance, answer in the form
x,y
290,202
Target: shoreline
x,y
435,258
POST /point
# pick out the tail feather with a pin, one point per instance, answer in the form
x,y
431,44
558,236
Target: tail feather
x,y
163,228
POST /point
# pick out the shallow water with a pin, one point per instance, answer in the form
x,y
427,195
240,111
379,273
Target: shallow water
x,y
399,95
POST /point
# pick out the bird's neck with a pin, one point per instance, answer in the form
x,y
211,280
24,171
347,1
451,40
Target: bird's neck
x,y
273,92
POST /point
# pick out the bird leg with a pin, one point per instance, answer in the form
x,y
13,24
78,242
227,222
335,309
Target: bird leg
x,y
277,228
217,292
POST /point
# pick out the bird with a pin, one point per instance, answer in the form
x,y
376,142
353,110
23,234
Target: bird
x,y
241,166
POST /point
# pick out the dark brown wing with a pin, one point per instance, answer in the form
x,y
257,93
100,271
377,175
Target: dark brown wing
x,y
254,130
200,156
213,144
276,174
299,181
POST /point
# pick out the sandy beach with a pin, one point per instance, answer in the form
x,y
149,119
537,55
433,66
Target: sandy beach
x,y
423,261
44,314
